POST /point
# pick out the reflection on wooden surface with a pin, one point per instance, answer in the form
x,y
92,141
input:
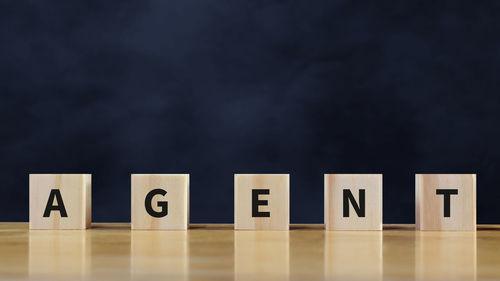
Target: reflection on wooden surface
x,y
159,254
217,252
398,252
261,254
110,250
353,255
488,253
65,253
445,255
14,248
211,256
307,252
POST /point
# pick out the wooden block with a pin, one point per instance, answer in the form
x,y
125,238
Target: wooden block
x,y
261,202
160,201
445,202
60,201
353,202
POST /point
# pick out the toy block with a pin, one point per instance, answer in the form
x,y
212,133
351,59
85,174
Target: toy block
x,y
160,202
60,201
261,201
445,202
353,201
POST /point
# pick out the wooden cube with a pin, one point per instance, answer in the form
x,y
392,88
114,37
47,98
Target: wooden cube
x,y
261,202
353,201
60,201
160,202
445,202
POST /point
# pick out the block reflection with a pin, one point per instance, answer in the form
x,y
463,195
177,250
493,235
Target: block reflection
x,y
353,255
62,252
261,255
157,254
445,255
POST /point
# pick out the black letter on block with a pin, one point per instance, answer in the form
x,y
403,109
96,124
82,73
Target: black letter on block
x,y
256,203
360,209
447,194
163,205
55,194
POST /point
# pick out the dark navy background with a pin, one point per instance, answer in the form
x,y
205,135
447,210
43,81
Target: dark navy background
x,y
214,88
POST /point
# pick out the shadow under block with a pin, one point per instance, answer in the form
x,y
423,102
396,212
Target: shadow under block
x,y
261,201
160,202
60,201
445,202
353,201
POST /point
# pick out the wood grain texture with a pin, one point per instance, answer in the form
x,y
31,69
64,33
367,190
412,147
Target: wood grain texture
x,y
429,207
334,201
112,251
278,201
177,196
75,190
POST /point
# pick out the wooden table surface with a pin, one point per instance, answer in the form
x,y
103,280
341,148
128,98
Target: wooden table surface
x,y
217,252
